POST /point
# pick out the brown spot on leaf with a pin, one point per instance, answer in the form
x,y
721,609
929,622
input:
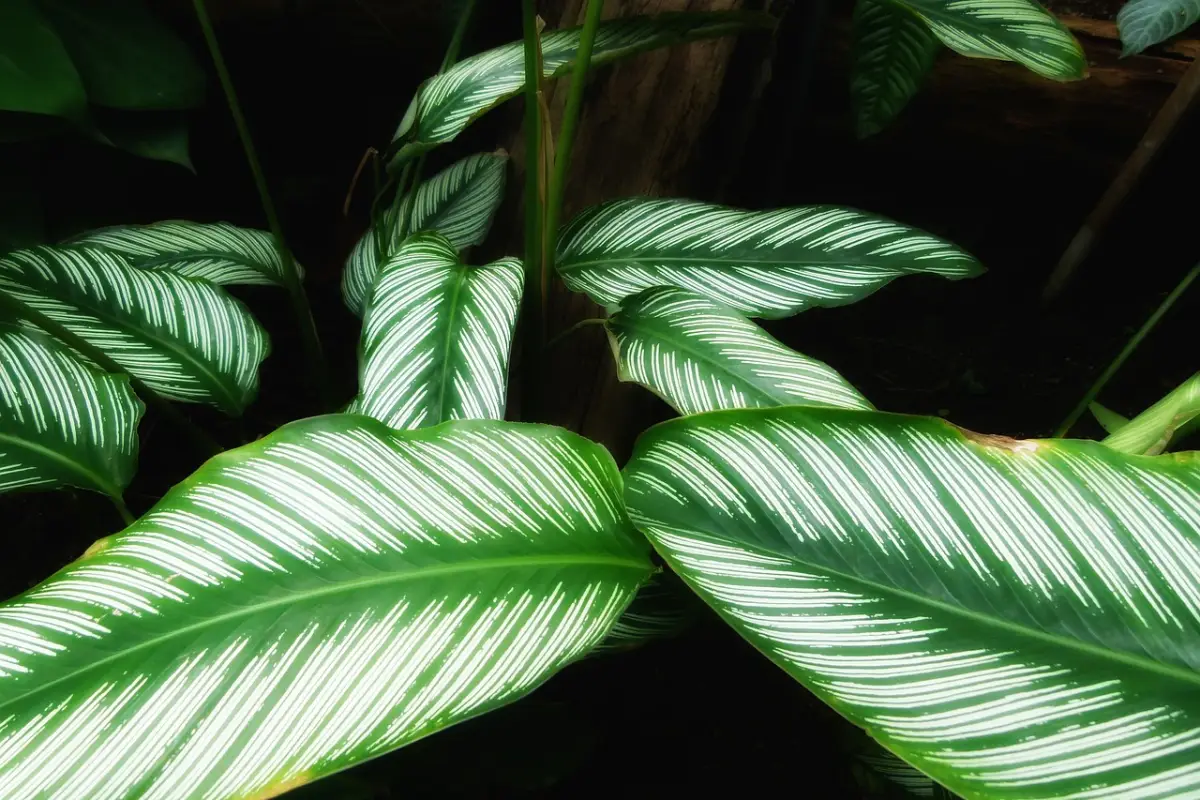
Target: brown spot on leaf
x,y
275,790
96,547
1002,442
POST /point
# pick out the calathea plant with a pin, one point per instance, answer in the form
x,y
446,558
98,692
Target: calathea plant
x,y
1011,618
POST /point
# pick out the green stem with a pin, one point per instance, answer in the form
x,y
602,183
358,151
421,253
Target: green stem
x,y
152,398
578,326
1132,345
291,275
566,134
533,319
122,509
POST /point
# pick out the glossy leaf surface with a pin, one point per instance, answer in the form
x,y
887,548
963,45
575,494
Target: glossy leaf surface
x,y
1017,619
62,422
761,263
321,596
893,51
1148,22
185,338
1150,432
700,356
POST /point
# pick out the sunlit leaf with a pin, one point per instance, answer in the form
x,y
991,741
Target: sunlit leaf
x,y
662,608
893,52
319,597
1150,432
1017,619
1148,22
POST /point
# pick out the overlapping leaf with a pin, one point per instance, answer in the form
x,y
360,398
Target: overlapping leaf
x,y
762,263
1148,22
446,103
893,52
660,609
326,594
62,422
437,336
1017,619
185,338
459,202
700,356
1010,30
218,252
1150,432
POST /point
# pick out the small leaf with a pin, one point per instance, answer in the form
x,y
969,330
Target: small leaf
x,y
1016,619
459,202
216,252
309,601
1009,30
1150,432
1148,22
661,609
185,338
62,422
437,336
448,102
893,52
157,135
1110,420
762,263
36,74
700,356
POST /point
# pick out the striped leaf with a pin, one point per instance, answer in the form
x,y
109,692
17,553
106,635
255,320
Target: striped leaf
x,y
217,252
1150,432
436,337
884,775
763,263
1009,30
1016,619
893,52
321,596
1148,22
62,422
700,356
459,202
185,338
660,609
448,102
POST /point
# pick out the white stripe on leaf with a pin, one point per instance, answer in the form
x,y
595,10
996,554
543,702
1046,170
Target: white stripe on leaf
x,y
62,422
218,252
761,263
893,52
184,337
700,356
1015,619
437,336
309,601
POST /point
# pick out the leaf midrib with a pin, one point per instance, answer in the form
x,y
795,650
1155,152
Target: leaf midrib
x,y
618,260
156,262
445,377
97,481
1179,673
422,573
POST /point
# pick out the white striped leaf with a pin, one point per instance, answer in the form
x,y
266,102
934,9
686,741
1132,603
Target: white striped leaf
x,y
1016,619
448,102
660,610
436,337
893,52
459,202
700,356
763,263
311,600
884,768
218,252
1148,22
62,422
184,337
1150,432
1009,30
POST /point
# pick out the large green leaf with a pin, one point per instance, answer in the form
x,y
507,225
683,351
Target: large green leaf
x,y
157,135
62,422
126,58
446,103
1017,619
700,356
185,338
313,599
1150,432
459,202
217,252
36,74
437,336
893,52
1147,22
762,263
1010,30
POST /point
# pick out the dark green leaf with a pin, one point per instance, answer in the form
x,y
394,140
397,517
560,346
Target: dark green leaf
x,y
36,74
893,52
158,135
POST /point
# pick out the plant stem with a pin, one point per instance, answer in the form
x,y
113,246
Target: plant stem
x,y
1132,345
456,38
152,398
578,326
566,134
122,509
533,320
304,317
